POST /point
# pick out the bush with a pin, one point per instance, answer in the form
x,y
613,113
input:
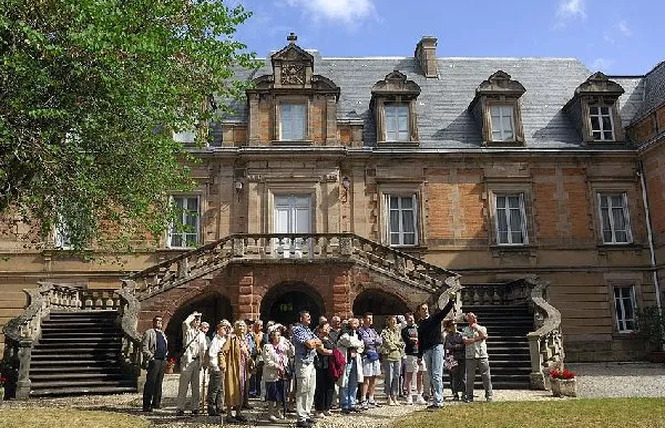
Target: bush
x,y
651,326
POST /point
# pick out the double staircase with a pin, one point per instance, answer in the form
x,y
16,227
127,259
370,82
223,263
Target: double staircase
x,y
79,353
507,343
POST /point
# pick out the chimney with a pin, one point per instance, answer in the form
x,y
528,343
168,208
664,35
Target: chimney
x,y
426,56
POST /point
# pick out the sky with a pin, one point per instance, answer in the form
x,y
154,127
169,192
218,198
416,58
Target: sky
x,y
617,37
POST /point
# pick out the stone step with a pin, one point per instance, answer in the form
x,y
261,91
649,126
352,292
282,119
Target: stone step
x,y
83,390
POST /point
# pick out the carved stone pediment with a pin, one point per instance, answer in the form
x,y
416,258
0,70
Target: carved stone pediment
x,y
292,53
396,84
599,84
500,83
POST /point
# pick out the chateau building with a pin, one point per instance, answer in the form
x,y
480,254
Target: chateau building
x,y
343,185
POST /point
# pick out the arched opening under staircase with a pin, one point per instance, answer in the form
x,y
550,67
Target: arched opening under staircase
x,y
214,308
283,302
381,304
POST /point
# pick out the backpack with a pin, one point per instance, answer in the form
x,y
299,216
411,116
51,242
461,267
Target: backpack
x,y
336,364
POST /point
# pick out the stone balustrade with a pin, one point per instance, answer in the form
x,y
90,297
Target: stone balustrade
x,y
311,246
546,342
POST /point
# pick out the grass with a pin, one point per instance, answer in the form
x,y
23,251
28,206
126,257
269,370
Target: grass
x,y
66,418
601,412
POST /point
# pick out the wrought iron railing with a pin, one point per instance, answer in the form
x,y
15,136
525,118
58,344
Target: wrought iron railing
x,y
310,246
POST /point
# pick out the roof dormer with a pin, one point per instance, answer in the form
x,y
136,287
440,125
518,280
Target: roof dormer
x,y
496,107
394,105
594,109
292,99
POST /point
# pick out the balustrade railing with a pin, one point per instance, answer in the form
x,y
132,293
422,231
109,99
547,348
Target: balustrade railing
x,y
512,293
546,342
309,246
22,332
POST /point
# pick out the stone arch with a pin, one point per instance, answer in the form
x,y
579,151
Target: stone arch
x,y
283,301
381,303
214,308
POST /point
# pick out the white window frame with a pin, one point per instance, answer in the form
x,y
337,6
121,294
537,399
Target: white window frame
x,y
393,112
509,212
288,133
61,236
610,218
401,233
599,115
186,243
504,111
620,318
186,136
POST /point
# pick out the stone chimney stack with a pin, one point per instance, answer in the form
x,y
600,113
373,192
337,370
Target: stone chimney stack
x,y
426,56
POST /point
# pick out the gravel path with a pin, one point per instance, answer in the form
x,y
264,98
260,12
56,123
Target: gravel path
x,y
594,380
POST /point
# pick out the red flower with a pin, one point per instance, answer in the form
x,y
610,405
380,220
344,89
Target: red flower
x,y
561,374
3,380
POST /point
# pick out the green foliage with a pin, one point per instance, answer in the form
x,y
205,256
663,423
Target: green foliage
x,y
601,413
651,326
89,93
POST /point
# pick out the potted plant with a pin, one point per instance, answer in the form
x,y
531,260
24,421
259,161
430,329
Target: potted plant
x,y
2,388
170,366
650,327
563,382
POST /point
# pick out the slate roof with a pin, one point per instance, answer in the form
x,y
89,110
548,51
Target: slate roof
x,y
654,91
443,119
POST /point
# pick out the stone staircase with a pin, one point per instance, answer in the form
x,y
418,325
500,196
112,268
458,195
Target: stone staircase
x,y
79,353
507,345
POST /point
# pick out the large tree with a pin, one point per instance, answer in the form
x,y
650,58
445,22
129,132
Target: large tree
x,y
90,91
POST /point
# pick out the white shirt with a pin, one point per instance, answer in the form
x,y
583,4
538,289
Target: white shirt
x,y
476,349
214,349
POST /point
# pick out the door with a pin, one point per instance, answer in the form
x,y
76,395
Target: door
x,y
292,215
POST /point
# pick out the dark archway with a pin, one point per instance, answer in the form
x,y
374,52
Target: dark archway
x,y
214,308
381,304
283,302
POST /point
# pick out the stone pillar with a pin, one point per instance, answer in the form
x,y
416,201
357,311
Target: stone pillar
x,y
23,384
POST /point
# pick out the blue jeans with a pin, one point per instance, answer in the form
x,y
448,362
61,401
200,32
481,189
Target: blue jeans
x,y
347,394
434,360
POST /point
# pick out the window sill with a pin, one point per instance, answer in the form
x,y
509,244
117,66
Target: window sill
x,y
292,142
396,144
629,335
512,143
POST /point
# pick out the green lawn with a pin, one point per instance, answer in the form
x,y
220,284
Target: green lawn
x,y
66,418
601,412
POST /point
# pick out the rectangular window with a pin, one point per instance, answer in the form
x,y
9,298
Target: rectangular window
x,y
615,219
602,126
510,219
62,236
402,220
293,122
186,234
502,122
397,122
624,306
185,136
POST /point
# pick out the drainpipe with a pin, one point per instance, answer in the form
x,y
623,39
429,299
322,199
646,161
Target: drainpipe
x,y
652,253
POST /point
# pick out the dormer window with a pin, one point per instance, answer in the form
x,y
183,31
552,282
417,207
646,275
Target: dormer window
x,y
594,110
397,121
394,106
293,121
602,128
292,105
496,107
501,118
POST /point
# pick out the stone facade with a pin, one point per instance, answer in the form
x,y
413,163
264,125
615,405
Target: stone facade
x,y
348,176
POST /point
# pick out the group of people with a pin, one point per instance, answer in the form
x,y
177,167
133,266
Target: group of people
x,y
335,364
